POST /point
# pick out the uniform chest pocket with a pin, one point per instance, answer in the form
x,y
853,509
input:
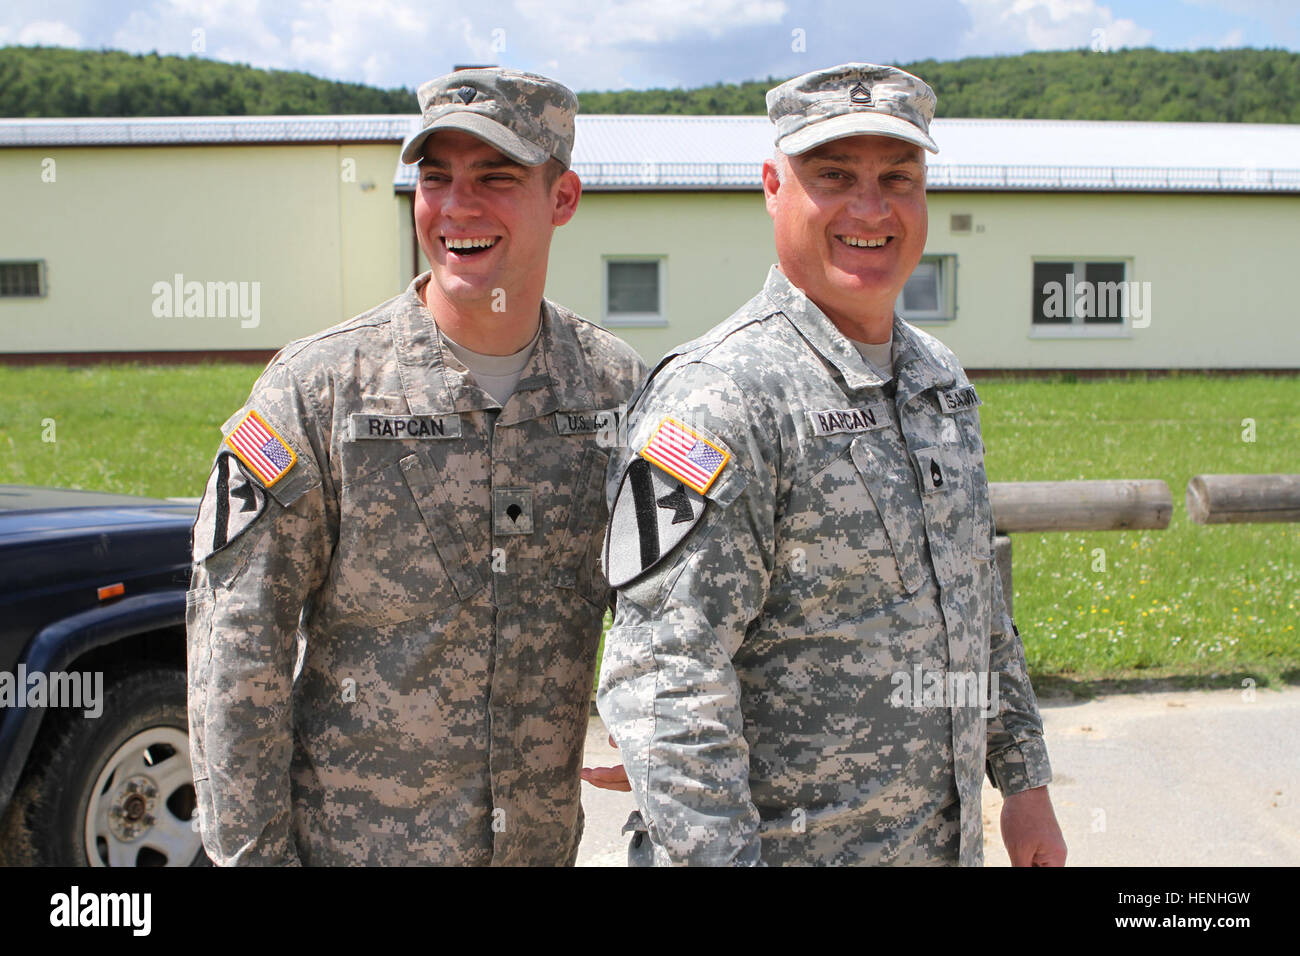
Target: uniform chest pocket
x,y
845,548
575,559
894,499
954,497
402,553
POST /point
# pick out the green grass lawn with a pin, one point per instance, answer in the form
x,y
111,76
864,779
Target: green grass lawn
x,y
1203,605
134,429
1192,605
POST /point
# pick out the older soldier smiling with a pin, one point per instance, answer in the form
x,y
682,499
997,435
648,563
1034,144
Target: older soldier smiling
x,y
802,515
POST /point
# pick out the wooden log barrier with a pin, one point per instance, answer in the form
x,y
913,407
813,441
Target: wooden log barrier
x,y
1020,506
1241,499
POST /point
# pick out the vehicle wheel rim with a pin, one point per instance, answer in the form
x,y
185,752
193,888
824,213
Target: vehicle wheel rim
x,y
141,807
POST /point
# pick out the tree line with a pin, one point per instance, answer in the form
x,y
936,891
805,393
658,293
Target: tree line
x,y
1244,85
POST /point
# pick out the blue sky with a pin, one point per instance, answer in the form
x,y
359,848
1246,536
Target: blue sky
x,y
633,44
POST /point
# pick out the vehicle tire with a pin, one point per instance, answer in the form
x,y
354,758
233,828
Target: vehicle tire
x,y
117,790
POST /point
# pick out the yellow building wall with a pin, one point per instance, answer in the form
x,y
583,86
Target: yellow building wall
x,y
1219,266
313,226
320,231
718,247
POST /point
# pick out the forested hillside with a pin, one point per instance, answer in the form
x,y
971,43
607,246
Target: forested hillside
x,y
1249,86
52,81
1226,86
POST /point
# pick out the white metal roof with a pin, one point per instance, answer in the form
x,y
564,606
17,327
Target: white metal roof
x,y
192,130
726,152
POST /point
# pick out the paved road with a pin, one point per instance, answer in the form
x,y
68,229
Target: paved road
x,y
1191,778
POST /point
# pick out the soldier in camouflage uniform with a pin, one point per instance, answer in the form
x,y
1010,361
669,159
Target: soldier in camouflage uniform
x,y
397,596
811,660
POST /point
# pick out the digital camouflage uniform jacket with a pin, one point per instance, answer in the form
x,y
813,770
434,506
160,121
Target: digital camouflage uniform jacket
x,y
444,555
767,674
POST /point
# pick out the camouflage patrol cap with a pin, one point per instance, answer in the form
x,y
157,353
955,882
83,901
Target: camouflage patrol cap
x,y
854,99
527,117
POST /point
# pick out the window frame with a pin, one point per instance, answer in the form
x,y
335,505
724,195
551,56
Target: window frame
x,y
41,285
1079,327
632,320
947,282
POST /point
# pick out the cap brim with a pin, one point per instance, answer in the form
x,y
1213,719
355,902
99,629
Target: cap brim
x,y
486,129
853,124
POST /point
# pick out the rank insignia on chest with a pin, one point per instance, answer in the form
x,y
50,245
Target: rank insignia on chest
x,y
512,511
260,447
690,458
959,399
938,469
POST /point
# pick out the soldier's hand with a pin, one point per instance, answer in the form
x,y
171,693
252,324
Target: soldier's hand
x,y
607,778
1030,831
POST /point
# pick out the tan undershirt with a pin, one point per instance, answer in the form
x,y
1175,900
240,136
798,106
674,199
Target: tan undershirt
x,y
878,356
495,374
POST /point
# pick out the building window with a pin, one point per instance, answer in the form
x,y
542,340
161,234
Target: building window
x,y
930,291
1079,295
22,279
634,292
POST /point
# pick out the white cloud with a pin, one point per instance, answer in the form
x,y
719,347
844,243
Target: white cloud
x,y
1012,26
1258,8
1233,38
612,45
580,24
230,30
47,33
401,42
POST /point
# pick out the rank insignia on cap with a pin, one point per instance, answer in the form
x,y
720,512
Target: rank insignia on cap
x,y
261,449
860,95
467,94
693,460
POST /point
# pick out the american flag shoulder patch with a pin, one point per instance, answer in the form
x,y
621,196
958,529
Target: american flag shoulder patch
x,y
687,456
260,447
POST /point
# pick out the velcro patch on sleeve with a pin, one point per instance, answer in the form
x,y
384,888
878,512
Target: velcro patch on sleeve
x,y
261,448
686,455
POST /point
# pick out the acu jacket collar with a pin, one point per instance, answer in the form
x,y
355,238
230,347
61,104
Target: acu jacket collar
x,y
556,377
914,367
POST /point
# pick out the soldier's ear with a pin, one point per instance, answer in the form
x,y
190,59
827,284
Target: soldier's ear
x,y
771,183
566,193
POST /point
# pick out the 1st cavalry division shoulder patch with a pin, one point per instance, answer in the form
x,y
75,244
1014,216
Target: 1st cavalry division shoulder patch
x,y
232,502
660,499
260,448
652,514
